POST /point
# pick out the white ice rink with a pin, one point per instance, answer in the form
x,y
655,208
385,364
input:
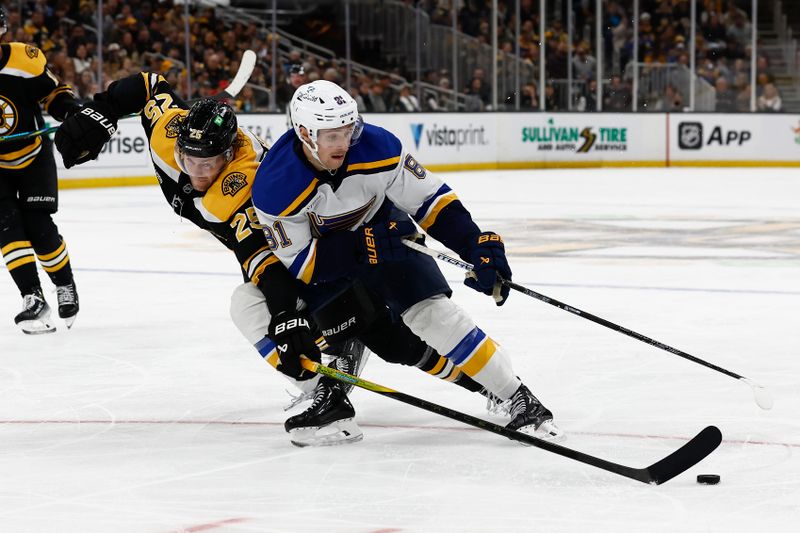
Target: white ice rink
x,y
153,415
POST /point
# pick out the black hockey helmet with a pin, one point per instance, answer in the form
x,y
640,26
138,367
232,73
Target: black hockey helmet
x,y
3,20
208,130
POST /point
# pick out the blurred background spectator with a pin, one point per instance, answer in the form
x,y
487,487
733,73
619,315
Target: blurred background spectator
x,y
150,35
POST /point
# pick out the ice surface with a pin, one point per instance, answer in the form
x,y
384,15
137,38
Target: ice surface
x,y
153,415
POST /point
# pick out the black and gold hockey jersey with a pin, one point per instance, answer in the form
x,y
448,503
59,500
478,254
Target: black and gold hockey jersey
x,y
27,87
226,208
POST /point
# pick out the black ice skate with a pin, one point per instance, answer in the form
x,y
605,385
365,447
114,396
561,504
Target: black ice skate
x,y
329,420
35,315
528,415
351,360
67,303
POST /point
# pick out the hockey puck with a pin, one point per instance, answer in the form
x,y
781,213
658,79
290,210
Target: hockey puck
x,y
708,479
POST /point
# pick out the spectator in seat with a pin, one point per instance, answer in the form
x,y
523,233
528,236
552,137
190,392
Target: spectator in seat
x,y
770,99
407,102
375,102
617,96
355,92
80,60
246,101
551,102
671,100
726,98
297,77
529,99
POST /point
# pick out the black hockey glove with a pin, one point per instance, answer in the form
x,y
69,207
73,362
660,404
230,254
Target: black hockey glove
x,y
488,255
82,136
384,241
292,335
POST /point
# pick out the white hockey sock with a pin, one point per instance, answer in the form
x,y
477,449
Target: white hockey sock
x,y
448,329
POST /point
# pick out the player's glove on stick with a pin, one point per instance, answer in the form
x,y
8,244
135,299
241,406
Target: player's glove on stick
x,y
82,136
488,255
384,241
292,335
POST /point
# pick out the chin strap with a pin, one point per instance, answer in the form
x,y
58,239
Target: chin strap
x,y
314,152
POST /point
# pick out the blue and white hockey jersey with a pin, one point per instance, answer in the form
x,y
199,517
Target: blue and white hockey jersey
x,y
309,215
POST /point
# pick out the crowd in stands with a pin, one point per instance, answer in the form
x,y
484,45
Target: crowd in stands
x,y
149,35
723,50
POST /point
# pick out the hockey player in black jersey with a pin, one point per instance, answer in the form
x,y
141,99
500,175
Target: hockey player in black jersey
x,y
28,185
205,167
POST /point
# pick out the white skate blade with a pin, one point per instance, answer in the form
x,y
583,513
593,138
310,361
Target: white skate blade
x,y
340,432
36,327
547,430
70,320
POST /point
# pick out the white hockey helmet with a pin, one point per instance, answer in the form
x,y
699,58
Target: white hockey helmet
x,y
322,105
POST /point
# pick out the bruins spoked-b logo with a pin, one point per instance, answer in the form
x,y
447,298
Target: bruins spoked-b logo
x,y
233,183
173,125
8,116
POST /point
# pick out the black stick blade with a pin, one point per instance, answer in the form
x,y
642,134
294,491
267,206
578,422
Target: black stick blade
x,y
684,457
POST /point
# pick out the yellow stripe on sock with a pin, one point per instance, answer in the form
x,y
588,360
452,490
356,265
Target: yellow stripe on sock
x,y
57,267
21,261
16,245
479,359
47,257
453,375
438,368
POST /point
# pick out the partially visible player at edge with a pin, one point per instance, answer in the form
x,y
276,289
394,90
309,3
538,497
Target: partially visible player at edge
x,y
205,165
334,186
29,185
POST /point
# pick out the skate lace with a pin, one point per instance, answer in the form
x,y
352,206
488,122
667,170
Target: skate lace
x,y
319,396
29,301
298,399
519,404
496,405
65,294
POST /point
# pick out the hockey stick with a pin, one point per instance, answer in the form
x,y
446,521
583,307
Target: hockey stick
x,y
660,472
246,66
762,396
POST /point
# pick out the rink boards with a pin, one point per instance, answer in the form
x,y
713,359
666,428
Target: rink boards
x,y
484,141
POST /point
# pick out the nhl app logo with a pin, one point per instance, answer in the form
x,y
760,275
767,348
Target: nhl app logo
x,y
233,183
690,135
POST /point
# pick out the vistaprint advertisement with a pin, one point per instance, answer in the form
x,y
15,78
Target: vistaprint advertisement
x,y
465,141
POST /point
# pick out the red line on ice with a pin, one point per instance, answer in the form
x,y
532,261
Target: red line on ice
x,y
209,525
385,426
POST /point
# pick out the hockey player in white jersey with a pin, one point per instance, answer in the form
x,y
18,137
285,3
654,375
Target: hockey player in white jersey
x,y
340,196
